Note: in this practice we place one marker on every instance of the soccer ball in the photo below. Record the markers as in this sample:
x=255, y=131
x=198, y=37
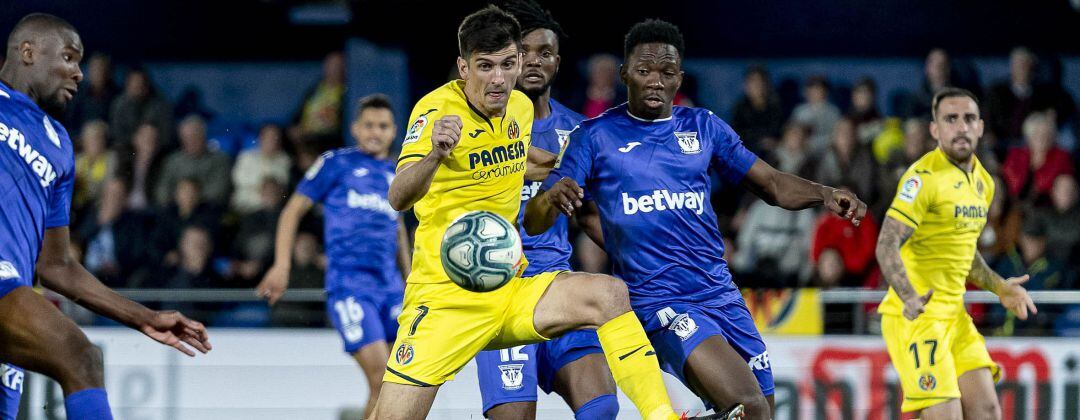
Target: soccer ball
x=481, y=251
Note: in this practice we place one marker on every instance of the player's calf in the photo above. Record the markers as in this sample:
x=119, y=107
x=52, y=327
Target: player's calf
x=79, y=364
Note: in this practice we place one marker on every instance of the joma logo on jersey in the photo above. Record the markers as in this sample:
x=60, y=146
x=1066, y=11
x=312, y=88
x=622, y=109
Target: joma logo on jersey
x=970, y=212
x=661, y=200
x=38, y=163
x=497, y=155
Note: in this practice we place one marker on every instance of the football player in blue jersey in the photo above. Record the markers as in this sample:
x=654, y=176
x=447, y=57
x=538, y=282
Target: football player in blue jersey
x=572, y=365
x=37, y=171
x=645, y=167
x=366, y=242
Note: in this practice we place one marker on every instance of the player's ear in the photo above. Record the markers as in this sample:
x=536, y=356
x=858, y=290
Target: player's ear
x=622, y=74
x=26, y=51
x=558, y=60
x=934, y=129
x=462, y=68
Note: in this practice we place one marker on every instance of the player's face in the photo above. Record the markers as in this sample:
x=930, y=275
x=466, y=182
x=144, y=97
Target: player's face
x=55, y=69
x=957, y=127
x=540, y=62
x=652, y=73
x=375, y=131
x=489, y=77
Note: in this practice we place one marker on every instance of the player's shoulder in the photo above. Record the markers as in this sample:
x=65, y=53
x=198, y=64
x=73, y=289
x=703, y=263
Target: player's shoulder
x=439, y=100
x=565, y=113
x=520, y=106
x=929, y=165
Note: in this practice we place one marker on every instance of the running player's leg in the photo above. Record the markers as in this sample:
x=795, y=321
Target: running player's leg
x=36, y=336
x=372, y=360
x=551, y=304
x=976, y=370
x=573, y=366
x=404, y=402
x=508, y=382
x=921, y=351
x=11, y=385
x=978, y=397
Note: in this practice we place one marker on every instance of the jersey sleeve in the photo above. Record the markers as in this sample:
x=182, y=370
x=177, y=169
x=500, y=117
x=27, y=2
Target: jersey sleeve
x=417, y=142
x=732, y=159
x=914, y=197
x=575, y=160
x=320, y=178
x=60, y=202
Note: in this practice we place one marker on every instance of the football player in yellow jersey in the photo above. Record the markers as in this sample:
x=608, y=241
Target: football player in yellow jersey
x=927, y=250
x=467, y=149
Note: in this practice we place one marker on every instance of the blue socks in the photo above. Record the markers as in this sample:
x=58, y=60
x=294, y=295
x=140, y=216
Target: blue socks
x=89, y=404
x=604, y=407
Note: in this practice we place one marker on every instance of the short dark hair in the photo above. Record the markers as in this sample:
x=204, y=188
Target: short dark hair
x=653, y=31
x=818, y=80
x=486, y=31
x=867, y=82
x=950, y=92
x=531, y=16
x=757, y=70
x=373, y=101
x=35, y=23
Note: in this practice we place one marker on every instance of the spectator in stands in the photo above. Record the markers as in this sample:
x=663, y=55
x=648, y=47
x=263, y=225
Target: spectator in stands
x=140, y=103
x=1060, y=221
x=600, y=93
x=917, y=142
x=254, y=166
x=817, y=112
x=140, y=168
x=93, y=164
x=116, y=238
x=864, y=110
x=308, y=269
x=192, y=269
x=846, y=162
x=792, y=155
x=195, y=160
x=854, y=245
x=1011, y=101
x=937, y=74
x=319, y=119
x=773, y=247
x=95, y=95
x=1047, y=273
x=253, y=245
x=186, y=209
x=1030, y=171
x=758, y=116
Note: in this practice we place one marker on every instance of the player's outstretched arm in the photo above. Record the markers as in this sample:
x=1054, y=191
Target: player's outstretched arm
x=1013, y=296
x=794, y=193
x=68, y=277
x=540, y=163
x=414, y=179
x=276, y=280
x=892, y=237
x=543, y=209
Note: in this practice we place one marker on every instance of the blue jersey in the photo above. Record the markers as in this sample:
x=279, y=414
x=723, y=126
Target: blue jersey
x=650, y=181
x=548, y=251
x=360, y=226
x=37, y=173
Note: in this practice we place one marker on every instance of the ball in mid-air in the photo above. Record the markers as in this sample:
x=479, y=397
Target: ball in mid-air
x=481, y=251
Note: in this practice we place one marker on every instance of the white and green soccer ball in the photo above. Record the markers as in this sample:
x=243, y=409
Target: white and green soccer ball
x=481, y=251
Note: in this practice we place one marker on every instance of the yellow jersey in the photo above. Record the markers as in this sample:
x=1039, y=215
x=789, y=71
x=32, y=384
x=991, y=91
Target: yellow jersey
x=485, y=171
x=947, y=206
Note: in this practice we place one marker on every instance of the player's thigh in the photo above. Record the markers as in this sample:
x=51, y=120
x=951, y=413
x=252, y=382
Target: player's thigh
x=978, y=397
x=36, y=336
x=404, y=402
x=441, y=328
x=507, y=377
x=920, y=352
x=948, y=409
x=372, y=360
x=579, y=300
x=717, y=373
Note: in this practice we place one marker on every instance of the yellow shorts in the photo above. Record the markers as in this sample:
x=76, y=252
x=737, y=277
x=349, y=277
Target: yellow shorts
x=442, y=327
x=930, y=355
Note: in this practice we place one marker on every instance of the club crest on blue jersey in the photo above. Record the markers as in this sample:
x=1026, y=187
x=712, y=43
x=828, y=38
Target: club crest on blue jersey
x=511, y=376
x=8, y=271
x=688, y=142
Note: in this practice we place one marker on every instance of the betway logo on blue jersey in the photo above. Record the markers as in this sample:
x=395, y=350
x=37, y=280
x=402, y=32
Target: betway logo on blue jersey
x=663, y=200
x=37, y=162
x=371, y=202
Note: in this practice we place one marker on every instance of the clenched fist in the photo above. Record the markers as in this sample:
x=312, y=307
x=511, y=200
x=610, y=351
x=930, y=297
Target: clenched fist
x=445, y=135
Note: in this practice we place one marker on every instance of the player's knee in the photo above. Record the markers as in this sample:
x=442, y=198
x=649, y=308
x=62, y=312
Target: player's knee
x=603, y=407
x=607, y=298
x=757, y=406
x=986, y=409
x=81, y=363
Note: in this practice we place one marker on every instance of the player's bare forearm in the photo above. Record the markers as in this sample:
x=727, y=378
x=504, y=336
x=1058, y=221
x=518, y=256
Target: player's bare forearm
x=63, y=274
x=540, y=215
x=540, y=164
x=784, y=190
x=985, y=278
x=588, y=217
x=892, y=237
x=288, y=224
x=404, y=250
x=412, y=182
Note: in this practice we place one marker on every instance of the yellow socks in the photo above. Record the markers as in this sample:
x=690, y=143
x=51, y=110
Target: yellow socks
x=633, y=364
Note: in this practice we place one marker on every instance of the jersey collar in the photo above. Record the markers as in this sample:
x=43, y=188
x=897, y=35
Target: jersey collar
x=627, y=109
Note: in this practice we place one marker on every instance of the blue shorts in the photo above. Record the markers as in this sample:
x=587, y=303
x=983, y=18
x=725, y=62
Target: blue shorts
x=678, y=328
x=11, y=386
x=364, y=318
x=512, y=375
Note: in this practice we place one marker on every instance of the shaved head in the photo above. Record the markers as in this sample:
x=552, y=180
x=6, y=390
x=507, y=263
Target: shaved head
x=43, y=54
